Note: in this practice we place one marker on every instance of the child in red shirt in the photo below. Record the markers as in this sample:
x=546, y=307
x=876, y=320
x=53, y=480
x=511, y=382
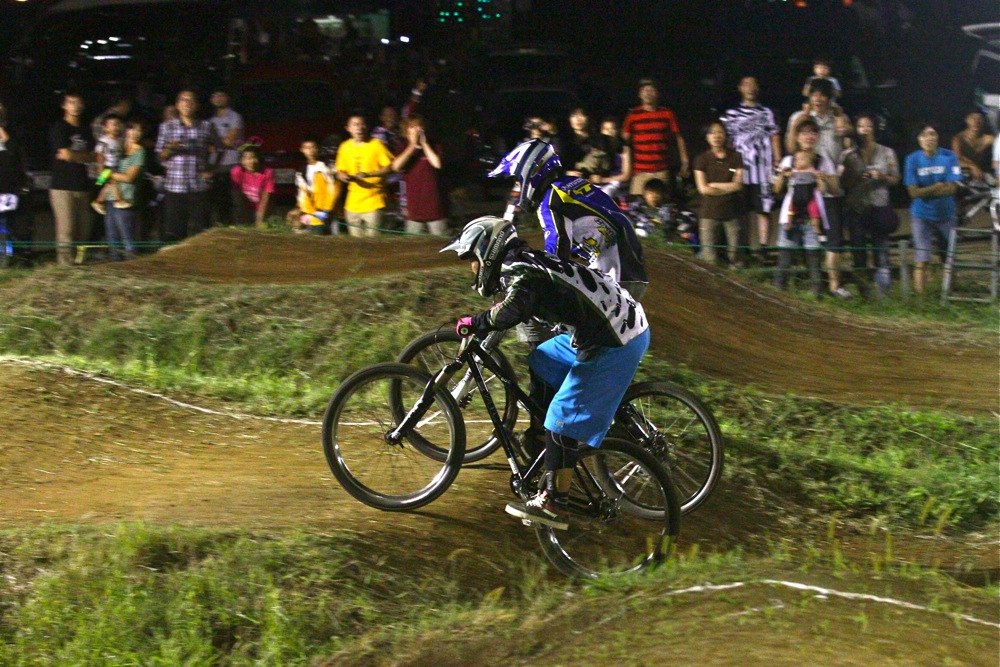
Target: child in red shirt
x=252, y=187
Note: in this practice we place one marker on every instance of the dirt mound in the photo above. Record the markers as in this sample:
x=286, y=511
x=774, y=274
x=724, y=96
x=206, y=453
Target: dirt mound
x=701, y=317
x=248, y=256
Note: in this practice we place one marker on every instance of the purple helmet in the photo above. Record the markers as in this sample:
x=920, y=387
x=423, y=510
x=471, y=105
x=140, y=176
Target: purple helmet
x=530, y=163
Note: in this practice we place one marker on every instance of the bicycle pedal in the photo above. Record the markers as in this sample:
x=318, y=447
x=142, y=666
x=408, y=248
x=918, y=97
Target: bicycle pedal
x=529, y=524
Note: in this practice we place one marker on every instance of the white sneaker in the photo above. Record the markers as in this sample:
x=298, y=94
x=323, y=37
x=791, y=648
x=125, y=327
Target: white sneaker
x=842, y=293
x=543, y=508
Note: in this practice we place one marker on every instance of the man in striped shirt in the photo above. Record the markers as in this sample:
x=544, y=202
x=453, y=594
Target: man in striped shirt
x=651, y=129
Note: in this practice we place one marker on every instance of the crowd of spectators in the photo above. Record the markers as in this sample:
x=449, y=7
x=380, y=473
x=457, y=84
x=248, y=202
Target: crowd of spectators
x=826, y=183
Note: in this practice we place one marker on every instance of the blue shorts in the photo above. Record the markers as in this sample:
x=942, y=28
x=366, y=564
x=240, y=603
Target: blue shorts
x=587, y=392
x=924, y=232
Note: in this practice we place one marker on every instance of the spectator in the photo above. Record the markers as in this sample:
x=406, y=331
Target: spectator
x=972, y=146
x=388, y=131
x=362, y=163
x=252, y=188
x=755, y=136
x=620, y=160
x=830, y=145
x=13, y=181
x=315, y=197
x=121, y=108
x=578, y=145
x=183, y=148
x=718, y=175
x=821, y=72
x=867, y=173
x=652, y=212
x=651, y=129
x=228, y=126
x=416, y=97
x=420, y=161
x=824, y=114
x=930, y=175
x=795, y=232
x=107, y=152
x=538, y=127
x=119, y=201
x=69, y=194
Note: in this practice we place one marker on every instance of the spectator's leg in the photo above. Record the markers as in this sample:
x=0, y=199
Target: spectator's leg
x=127, y=220
x=355, y=225
x=174, y=217
x=83, y=216
x=373, y=222
x=198, y=212
x=111, y=232
x=922, y=235
x=732, y=229
x=784, y=264
x=706, y=233
x=414, y=227
x=815, y=276
x=438, y=227
x=883, y=274
x=62, y=211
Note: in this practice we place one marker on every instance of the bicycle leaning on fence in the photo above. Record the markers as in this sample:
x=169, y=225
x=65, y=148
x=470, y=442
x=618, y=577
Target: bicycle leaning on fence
x=394, y=437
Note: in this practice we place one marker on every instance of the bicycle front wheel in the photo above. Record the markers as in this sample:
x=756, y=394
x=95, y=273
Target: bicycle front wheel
x=677, y=428
x=368, y=464
x=625, y=514
x=432, y=351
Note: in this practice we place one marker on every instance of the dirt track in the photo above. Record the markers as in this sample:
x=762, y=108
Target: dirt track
x=700, y=316
x=75, y=449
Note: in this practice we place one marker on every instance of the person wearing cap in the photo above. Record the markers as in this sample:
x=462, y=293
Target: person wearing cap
x=651, y=130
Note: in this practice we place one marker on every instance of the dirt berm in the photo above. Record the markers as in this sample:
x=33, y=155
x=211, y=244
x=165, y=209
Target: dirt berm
x=714, y=322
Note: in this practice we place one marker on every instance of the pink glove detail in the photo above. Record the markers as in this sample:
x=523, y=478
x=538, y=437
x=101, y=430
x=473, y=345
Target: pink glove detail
x=464, y=327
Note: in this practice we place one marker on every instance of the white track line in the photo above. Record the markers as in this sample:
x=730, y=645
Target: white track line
x=829, y=592
x=113, y=383
x=234, y=415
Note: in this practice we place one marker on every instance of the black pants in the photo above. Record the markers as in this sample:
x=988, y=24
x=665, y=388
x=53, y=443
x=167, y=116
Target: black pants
x=867, y=239
x=184, y=214
x=221, y=199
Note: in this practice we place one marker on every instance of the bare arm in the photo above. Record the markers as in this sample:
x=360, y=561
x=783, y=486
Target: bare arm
x=404, y=157
x=705, y=188
x=432, y=156
x=682, y=149
x=265, y=199
x=128, y=176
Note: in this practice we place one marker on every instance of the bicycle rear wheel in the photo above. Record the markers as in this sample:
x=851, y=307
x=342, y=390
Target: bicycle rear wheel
x=432, y=351
x=607, y=533
x=677, y=428
x=380, y=473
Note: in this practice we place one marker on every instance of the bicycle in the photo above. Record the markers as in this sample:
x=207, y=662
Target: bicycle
x=664, y=418
x=394, y=438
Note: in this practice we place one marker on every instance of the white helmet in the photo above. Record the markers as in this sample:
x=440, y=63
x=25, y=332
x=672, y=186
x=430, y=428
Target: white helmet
x=486, y=240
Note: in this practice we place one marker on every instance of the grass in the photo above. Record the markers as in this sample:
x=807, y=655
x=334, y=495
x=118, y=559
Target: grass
x=141, y=594
x=282, y=350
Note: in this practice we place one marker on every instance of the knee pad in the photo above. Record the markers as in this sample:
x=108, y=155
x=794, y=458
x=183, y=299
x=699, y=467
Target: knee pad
x=561, y=452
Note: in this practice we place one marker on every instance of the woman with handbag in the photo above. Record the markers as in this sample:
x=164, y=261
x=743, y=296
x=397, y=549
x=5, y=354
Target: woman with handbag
x=867, y=173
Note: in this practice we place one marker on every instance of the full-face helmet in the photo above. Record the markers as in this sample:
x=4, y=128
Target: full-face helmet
x=486, y=240
x=530, y=164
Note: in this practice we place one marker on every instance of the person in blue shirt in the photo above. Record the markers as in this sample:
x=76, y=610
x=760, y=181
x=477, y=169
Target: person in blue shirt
x=931, y=176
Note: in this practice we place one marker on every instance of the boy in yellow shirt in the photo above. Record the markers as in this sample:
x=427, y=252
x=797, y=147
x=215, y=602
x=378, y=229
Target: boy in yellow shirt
x=363, y=163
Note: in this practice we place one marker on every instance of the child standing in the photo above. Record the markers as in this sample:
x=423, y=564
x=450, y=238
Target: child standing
x=252, y=187
x=315, y=197
x=108, y=150
x=822, y=70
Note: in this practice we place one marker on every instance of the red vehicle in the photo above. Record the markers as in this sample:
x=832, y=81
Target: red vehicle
x=281, y=106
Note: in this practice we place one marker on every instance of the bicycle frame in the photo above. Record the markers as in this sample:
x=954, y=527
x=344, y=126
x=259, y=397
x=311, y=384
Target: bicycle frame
x=472, y=352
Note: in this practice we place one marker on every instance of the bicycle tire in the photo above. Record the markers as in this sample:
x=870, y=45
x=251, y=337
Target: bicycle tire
x=363, y=410
x=608, y=537
x=677, y=428
x=430, y=352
